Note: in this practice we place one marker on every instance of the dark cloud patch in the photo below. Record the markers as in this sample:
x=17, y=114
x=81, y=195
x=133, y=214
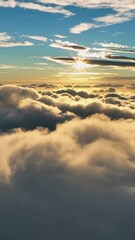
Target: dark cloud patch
x=73, y=92
x=104, y=85
x=122, y=50
x=111, y=89
x=114, y=95
x=94, y=62
x=120, y=57
x=114, y=101
x=76, y=47
x=68, y=45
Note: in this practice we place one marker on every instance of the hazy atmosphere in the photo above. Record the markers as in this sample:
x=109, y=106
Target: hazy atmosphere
x=67, y=119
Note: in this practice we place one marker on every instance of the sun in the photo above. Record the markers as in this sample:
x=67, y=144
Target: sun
x=79, y=64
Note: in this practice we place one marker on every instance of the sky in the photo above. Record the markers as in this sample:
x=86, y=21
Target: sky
x=66, y=41
x=67, y=120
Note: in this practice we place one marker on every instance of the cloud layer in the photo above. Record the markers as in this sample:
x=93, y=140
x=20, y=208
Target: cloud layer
x=75, y=181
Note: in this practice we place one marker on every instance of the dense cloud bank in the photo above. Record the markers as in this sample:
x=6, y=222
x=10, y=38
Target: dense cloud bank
x=75, y=182
x=27, y=108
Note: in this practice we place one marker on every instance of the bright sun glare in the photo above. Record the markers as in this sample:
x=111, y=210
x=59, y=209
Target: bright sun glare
x=79, y=64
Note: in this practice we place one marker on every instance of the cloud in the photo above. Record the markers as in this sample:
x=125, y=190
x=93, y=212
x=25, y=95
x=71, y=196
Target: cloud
x=20, y=108
x=4, y=37
x=111, y=45
x=38, y=7
x=38, y=38
x=34, y=6
x=124, y=12
x=103, y=21
x=59, y=36
x=114, y=19
x=5, y=41
x=116, y=47
x=8, y=3
x=26, y=108
x=16, y=44
x=77, y=180
x=82, y=27
x=68, y=45
x=96, y=62
x=117, y=5
x=120, y=57
x=5, y=66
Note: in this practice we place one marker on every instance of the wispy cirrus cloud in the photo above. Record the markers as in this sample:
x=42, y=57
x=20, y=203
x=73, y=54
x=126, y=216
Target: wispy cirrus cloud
x=35, y=6
x=82, y=27
x=124, y=12
x=117, y=5
x=111, y=45
x=15, y=44
x=103, y=21
x=114, y=18
x=5, y=66
x=114, y=47
x=38, y=7
x=59, y=36
x=7, y=41
x=37, y=38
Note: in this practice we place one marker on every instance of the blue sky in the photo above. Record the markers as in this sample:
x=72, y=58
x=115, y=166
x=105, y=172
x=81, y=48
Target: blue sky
x=96, y=33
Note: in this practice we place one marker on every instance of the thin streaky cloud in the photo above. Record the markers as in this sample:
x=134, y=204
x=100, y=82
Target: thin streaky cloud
x=59, y=36
x=102, y=22
x=114, y=18
x=111, y=44
x=15, y=44
x=35, y=6
x=117, y=5
x=97, y=62
x=82, y=27
x=5, y=66
x=119, y=57
x=38, y=38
